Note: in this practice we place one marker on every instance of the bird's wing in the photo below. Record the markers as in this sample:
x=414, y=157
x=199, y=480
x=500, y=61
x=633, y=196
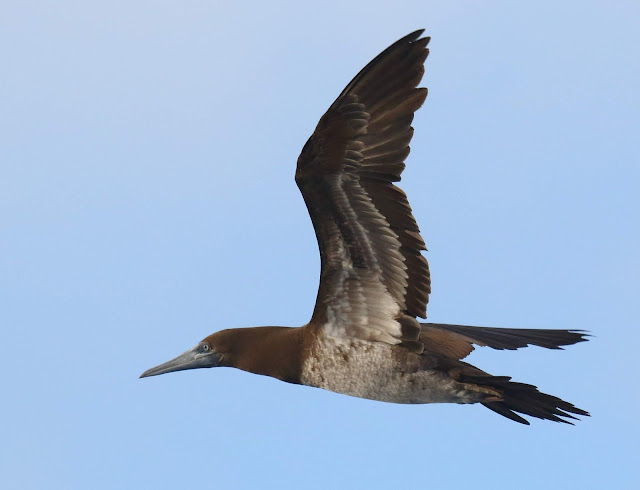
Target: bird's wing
x=374, y=280
x=457, y=341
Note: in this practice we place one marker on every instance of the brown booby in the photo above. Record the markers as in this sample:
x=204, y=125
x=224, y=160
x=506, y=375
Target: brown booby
x=364, y=338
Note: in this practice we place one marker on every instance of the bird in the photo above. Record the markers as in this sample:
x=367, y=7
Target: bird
x=365, y=338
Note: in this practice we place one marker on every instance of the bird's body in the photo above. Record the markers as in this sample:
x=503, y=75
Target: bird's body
x=364, y=338
x=376, y=371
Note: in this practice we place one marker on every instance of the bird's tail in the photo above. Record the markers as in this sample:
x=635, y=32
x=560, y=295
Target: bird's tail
x=523, y=398
x=454, y=342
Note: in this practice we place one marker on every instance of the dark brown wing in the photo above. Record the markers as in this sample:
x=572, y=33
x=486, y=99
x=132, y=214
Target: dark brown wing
x=457, y=341
x=374, y=280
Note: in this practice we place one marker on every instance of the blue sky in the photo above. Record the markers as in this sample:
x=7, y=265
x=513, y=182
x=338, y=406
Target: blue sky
x=147, y=152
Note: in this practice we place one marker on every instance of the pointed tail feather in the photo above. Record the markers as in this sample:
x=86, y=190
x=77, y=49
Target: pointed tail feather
x=525, y=399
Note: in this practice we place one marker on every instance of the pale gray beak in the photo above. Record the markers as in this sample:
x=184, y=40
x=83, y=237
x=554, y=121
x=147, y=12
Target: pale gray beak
x=201, y=356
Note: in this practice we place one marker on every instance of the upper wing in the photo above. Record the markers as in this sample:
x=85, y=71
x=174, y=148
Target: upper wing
x=456, y=341
x=374, y=280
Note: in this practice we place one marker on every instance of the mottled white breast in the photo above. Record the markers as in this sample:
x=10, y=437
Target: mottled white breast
x=371, y=370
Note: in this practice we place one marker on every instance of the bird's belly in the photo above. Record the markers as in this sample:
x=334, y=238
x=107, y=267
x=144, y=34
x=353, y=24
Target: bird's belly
x=372, y=370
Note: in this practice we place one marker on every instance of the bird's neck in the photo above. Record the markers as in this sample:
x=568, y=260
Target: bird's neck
x=271, y=351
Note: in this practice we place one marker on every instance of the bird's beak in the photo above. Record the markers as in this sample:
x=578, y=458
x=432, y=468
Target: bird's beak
x=192, y=359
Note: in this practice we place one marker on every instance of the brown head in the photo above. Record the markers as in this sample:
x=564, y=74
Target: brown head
x=271, y=351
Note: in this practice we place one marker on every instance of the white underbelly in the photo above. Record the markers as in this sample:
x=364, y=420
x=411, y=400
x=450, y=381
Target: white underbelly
x=368, y=370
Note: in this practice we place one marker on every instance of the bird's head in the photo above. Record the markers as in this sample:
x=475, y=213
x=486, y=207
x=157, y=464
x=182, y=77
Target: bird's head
x=256, y=349
x=207, y=353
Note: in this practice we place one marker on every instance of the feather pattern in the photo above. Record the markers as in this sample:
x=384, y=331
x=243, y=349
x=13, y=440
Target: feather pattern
x=373, y=278
x=457, y=341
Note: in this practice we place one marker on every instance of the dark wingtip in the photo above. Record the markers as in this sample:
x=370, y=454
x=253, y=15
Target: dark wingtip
x=576, y=337
x=585, y=335
x=415, y=34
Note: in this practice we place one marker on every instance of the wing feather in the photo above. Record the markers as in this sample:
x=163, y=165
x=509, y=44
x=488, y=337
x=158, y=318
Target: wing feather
x=374, y=280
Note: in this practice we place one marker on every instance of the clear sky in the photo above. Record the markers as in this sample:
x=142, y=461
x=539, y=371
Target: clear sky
x=147, y=153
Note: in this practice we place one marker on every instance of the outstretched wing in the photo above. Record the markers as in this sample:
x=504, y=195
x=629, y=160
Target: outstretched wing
x=457, y=341
x=374, y=280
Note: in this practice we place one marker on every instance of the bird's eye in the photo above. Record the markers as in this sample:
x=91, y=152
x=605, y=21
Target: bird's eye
x=205, y=347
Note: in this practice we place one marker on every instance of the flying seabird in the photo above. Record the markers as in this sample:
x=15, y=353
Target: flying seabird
x=364, y=338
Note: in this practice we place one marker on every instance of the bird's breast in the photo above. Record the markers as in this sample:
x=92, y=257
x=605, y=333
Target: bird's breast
x=378, y=371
